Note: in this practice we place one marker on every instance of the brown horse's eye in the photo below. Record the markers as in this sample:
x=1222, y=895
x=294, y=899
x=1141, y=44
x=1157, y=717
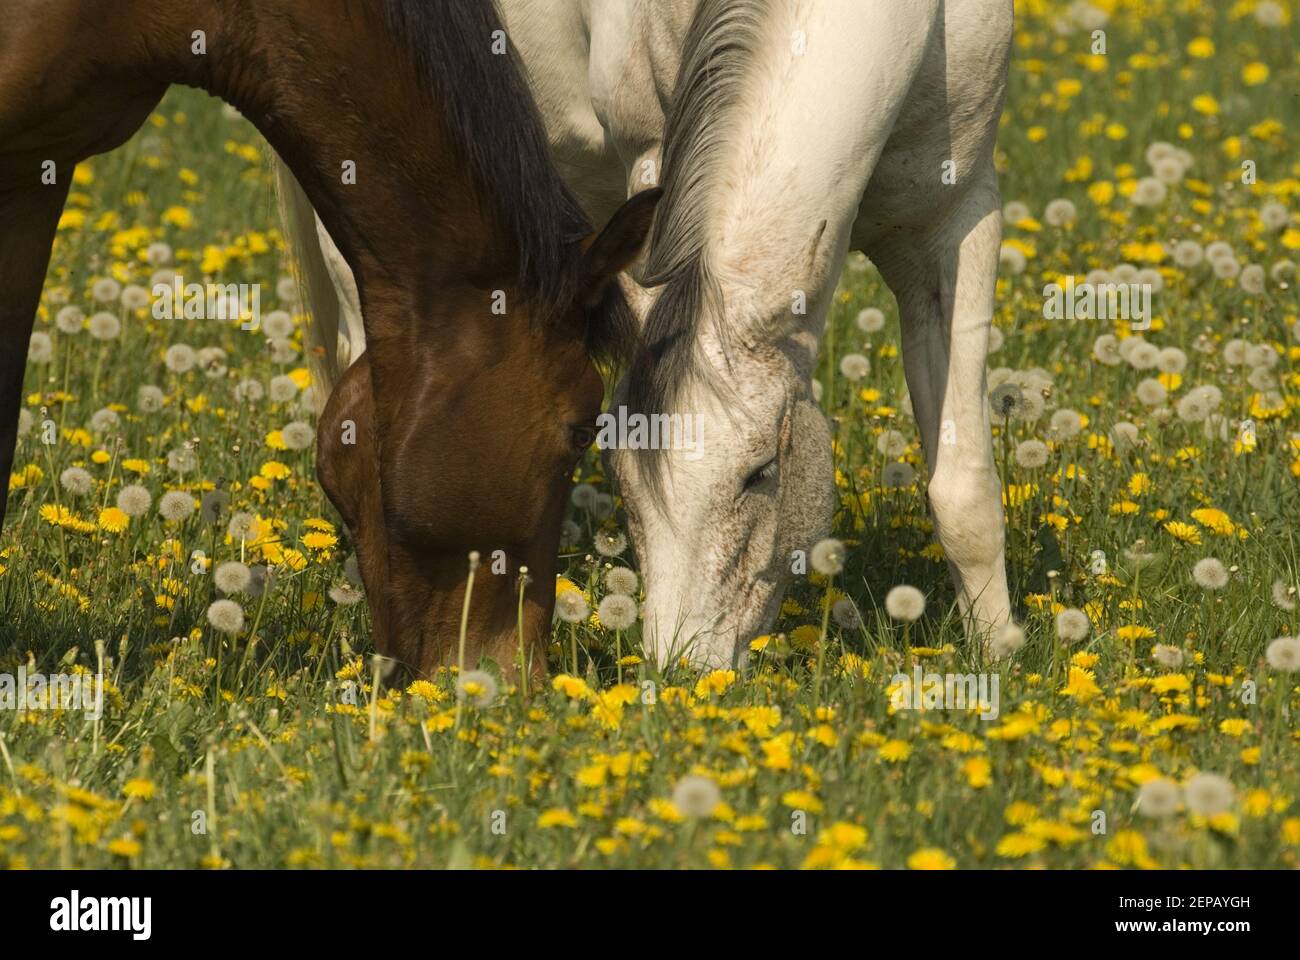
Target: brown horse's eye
x=580, y=438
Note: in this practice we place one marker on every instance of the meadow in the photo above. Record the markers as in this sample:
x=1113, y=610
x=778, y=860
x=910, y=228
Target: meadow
x=165, y=528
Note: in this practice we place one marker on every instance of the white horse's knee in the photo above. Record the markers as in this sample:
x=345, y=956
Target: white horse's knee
x=967, y=509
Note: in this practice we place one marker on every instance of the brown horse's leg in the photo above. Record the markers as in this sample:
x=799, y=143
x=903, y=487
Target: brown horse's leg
x=28, y=219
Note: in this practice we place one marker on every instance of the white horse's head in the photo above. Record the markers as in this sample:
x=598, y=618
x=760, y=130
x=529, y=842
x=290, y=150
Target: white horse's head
x=735, y=476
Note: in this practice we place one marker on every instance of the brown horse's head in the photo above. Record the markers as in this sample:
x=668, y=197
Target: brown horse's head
x=463, y=438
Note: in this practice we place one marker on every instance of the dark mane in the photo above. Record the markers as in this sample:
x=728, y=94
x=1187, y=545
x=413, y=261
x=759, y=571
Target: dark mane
x=720, y=48
x=494, y=119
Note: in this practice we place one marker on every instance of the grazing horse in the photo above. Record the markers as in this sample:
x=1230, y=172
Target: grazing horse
x=408, y=125
x=785, y=133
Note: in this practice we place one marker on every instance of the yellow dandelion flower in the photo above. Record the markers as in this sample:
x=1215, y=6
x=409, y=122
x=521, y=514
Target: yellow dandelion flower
x=931, y=858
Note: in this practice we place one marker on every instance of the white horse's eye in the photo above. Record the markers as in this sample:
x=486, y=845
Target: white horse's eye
x=760, y=476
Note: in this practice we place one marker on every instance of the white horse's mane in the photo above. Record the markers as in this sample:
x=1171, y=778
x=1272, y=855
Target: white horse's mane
x=721, y=48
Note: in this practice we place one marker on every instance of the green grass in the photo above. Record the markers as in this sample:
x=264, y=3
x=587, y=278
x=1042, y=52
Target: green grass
x=271, y=748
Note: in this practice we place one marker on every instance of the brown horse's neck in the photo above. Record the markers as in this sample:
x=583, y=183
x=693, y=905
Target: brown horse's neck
x=333, y=92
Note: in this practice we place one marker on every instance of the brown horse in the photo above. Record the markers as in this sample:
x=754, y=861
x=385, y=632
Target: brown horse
x=409, y=126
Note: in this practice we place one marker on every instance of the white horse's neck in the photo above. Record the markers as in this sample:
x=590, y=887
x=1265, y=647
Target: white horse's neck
x=804, y=140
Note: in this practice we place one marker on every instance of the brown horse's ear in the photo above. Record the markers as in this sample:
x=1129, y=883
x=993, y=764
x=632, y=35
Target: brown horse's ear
x=616, y=247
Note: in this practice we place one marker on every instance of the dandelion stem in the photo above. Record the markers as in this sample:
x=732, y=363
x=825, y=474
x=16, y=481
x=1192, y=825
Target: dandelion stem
x=374, y=696
x=464, y=627
x=519, y=620
x=821, y=644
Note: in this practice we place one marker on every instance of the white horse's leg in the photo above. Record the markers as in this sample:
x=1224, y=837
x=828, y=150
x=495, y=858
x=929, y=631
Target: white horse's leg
x=944, y=281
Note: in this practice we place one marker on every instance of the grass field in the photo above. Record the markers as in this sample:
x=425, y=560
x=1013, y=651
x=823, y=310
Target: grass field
x=1153, y=495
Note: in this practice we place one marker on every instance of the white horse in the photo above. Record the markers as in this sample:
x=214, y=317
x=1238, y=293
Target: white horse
x=794, y=131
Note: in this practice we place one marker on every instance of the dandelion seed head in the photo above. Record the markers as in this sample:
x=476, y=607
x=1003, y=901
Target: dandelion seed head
x=176, y=505
x=571, y=606
x=297, y=435
x=891, y=443
x=1031, y=454
x=1106, y=350
x=1151, y=392
x=226, y=616
x=232, y=577
x=1171, y=360
x=1015, y=211
x=262, y=580
x=1209, y=794
x=243, y=526
x=1012, y=260
x=1066, y=423
x=617, y=612
x=77, y=481
x=69, y=320
x=1143, y=356
x=610, y=543
x=148, y=399
x=696, y=797
x=845, y=613
x=134, y=500
x=105, y=290
x=622, y=580
x=212, y=505
x=182, y=460
x=905, y=603
x=104, y=419
x=1283, y=654
x=1167, y=655
x=827, y=557
x=40, y=349
x=346, y=594
x=1060, y=212
x=158, y=253
x=1188, y=253
x=180, y=358
x=1226, y=268
x=1159, y=798
x=104, y=326
x=212, y=361
x=854, y=366
x=871, y=320
x=282, y=350
x=1269, y=14
x=283, y=388
x=897, y=475
x=1125, y=435
x=1072, y=625
x=1210, y=574
x=1219, y=250
x=477, y=687
x=278, y=324
x=1149, y=192
x=1009, y=639
x=250, y=391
